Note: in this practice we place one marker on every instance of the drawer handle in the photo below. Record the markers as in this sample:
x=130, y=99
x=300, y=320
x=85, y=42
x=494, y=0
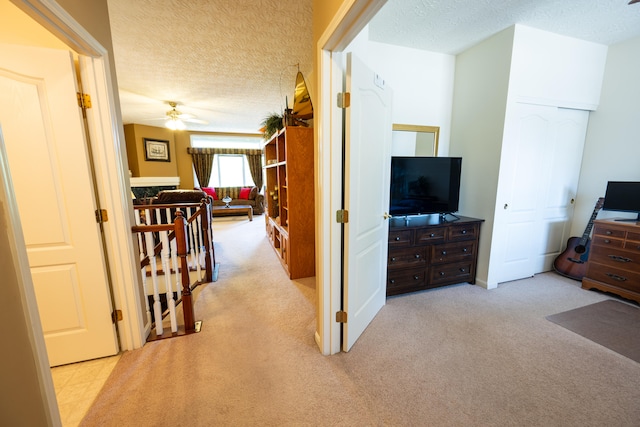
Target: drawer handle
x=442, y=273
x=616, y=277
x=462, y=270
x=417, y=256
x=465, y=250
x=393, y=259
x=392, y=281
x=397, y=238
x=432, y=235
x=608, y=233
x=607, y=241
x=416, y=277
x=620, y=258
x=444, y=252
x=464, y=231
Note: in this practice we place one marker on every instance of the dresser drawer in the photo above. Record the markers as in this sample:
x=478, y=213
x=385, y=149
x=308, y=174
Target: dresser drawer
x=607, y=241
x=615, y=258
x=450, y=273
x=430, y=235
x=606, y=231
x=463, y=232
x=617, y=277
x=633, y=246
x=452, y=252
x=406, y=257
x=399, y=238
x=401, y=281
x=633, y=236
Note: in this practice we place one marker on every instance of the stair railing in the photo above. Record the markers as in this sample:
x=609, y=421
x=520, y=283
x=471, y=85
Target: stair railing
x=175, y=257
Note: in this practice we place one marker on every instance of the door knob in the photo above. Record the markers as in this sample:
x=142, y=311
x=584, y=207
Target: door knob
x=387, y=216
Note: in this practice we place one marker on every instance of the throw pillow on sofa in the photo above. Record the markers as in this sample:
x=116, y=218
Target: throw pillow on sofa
x=244, y=193
x=210, y=191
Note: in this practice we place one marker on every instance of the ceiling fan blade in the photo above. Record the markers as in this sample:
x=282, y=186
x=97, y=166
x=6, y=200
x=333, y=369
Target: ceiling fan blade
x=634, y=1
x=198, y=121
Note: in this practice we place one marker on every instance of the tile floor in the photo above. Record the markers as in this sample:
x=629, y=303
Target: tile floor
x=78, y=384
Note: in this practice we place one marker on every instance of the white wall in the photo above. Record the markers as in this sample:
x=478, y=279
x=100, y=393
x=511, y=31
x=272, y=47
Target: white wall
x=612, y=148
x=479, y=100
x=551, y=69
x=422, y=83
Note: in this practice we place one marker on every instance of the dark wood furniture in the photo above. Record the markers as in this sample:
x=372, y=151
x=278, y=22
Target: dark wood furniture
x=614, y=259
x=233, y=210
x=425, y=252
x=289, y=196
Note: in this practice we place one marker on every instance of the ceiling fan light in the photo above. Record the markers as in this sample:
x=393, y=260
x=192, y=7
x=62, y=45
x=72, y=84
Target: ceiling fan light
x=175, y=124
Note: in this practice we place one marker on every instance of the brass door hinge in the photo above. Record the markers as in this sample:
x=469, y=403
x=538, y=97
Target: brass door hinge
x=101, y=216
x=342, y=216
x=341, y=317
x=116, y=316
x=344, y=100
x=84, y=100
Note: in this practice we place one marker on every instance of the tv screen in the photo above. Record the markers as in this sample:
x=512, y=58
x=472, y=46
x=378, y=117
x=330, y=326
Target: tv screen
x=425, y=185
x=622, y=196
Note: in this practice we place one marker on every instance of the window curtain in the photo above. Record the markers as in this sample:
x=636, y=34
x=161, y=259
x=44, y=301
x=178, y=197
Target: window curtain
x=254, y=157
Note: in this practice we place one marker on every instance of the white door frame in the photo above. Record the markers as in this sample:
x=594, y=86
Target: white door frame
x=107, y=142
x=350, y=19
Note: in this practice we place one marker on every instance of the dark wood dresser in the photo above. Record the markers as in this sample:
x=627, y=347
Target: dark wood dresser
x=614, y=259
x=425, y=252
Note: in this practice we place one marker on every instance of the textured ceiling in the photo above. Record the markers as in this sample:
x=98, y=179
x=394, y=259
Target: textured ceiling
x=232, y=62
x=452, y=26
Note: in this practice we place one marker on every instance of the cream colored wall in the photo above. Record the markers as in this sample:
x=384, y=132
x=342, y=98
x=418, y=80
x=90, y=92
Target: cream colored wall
x=18, y=28
x=21, y=388
x=476, y=130
x=612, y=146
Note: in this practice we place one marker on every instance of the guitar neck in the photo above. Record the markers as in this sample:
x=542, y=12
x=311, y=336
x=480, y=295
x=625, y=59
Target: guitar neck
x=587, y=230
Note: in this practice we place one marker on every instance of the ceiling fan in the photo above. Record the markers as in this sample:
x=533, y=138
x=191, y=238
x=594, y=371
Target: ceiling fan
x=176, y=120
x=634, y=1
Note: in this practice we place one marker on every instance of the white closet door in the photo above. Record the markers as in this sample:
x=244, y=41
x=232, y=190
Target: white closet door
x=540, y=166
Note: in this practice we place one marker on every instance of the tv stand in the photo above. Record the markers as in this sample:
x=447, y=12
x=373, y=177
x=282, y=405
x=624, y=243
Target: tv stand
x=427, y=252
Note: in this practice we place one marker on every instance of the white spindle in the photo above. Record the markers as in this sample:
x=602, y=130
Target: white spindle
x=168, y=286
x=157, y=306
x=176, y=267
x=143, y=270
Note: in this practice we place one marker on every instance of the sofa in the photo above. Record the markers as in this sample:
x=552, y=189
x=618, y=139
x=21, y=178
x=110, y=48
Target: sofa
x=239, y=196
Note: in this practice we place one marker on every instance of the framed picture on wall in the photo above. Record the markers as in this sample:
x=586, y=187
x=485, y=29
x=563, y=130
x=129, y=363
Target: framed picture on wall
x=156, y=150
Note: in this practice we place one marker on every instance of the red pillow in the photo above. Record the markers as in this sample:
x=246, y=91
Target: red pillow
x=244, y=193
x=210, y=191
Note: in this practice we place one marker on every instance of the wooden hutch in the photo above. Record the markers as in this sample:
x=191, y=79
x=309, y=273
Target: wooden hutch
x=289, y=199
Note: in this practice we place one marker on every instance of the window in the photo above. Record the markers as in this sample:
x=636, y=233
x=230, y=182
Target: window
x=230, y=170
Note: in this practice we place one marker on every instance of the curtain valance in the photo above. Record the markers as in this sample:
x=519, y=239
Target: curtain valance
x=246, y=151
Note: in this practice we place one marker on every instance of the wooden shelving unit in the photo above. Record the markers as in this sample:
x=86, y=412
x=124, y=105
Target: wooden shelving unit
x=289, y=197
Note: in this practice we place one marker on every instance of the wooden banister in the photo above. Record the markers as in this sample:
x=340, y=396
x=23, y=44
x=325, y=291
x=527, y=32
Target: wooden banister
x=191, y=248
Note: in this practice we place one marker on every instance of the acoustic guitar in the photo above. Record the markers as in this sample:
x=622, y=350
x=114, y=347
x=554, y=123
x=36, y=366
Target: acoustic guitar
x=572, y=262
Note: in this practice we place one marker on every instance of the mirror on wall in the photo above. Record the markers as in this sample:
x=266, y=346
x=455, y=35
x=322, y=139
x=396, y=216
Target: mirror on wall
x=414, y=140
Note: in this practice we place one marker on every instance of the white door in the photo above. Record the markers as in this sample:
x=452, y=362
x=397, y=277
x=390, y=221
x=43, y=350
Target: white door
x=367, y=168
x=48, y=160
x=540, y=166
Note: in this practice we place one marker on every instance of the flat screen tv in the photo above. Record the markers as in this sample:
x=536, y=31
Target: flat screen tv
x=425, y=185
x=623, y=196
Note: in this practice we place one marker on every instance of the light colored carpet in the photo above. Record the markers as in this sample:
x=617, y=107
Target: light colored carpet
x=454, y=356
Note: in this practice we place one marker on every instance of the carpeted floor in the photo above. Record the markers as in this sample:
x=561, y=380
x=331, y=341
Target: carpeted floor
x=610, y=323
x=454, y=356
